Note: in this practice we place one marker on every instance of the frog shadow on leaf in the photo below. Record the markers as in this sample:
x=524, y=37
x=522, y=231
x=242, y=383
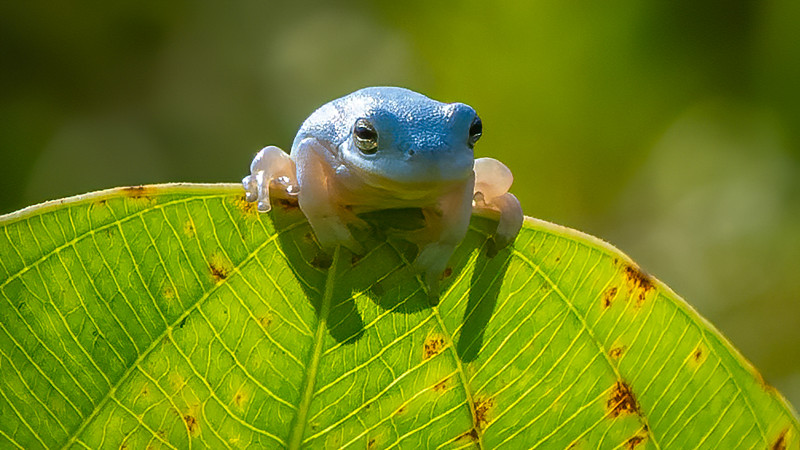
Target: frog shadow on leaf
x=384, y=274
x=381, y=273
x=487, y=279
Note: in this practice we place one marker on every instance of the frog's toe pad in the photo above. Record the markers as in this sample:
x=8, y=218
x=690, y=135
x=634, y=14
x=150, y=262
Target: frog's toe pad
x=273, y=169
x=511, y=219
x=492, y=181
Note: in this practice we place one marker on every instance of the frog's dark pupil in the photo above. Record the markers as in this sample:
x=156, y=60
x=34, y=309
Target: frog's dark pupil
x=367, y=134
x=365, y=137
x=475, y=130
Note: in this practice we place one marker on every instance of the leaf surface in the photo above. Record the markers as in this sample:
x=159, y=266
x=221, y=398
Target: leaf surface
x=176, y=316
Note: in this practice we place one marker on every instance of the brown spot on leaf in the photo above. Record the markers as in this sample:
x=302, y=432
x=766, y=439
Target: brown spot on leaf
x=440, y=386
x=219, y=266
x=400, y=410
x=616, y=352
x=137, y=191
x=265, y=320
x=633, y=442
x=482, y=410
x=780, y=443
x=217, y=271
x=762, y=382
x=609, y=295
x=622, y=400
x=191, y=424
x=640, y=283
x=240, y=398
x=245, y=206
x=472, y=435
x=698, y=356
x=447, y=272
x=188, y=228
x=371, y=443
x=432, y=347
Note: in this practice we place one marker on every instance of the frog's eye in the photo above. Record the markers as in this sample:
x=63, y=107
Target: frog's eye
x=365, y=137
x=475, y=131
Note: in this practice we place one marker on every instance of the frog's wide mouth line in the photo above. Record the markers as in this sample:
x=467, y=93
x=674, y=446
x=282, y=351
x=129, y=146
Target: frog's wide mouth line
x=416, y=175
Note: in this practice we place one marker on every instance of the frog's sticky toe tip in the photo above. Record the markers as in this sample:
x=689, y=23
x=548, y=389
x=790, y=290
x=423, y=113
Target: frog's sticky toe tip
x=264, y=206
x=497, y=243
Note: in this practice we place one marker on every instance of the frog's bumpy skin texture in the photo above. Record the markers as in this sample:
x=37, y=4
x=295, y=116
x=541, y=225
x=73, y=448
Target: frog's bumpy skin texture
x=421, y=157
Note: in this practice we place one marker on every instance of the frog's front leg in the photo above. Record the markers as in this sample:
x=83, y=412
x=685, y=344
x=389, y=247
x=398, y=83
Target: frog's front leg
x=446, y=226
x=318, y=198
x=271, y=168
x=492, y=181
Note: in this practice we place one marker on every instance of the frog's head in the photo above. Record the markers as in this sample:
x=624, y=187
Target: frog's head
x=396, y=138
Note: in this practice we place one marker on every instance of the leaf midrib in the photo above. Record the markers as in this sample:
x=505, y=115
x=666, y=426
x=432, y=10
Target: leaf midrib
x=299, y=424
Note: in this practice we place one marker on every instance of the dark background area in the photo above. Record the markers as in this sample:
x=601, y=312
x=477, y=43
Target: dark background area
x=671, y=129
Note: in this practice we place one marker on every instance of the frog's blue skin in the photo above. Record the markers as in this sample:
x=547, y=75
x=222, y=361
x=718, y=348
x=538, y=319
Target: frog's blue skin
x=423, y=158
x=421, y=141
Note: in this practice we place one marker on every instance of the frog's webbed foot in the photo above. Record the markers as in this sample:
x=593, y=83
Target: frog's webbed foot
x=318, y=198
x=273, y=169
x=492, y=181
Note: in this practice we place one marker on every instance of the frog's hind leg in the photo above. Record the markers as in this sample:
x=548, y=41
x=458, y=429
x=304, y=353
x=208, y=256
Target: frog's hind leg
x=272, y=168
x=492, y=181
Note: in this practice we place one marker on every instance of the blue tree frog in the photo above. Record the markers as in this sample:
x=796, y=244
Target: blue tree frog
x=389, y=147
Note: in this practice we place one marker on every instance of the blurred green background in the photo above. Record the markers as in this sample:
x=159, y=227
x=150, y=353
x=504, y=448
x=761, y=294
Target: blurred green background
x=669, y=128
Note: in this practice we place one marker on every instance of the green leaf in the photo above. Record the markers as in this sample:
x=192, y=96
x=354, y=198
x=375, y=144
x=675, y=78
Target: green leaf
x=177, y=316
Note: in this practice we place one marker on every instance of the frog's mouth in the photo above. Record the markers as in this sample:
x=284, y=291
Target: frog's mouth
x=420, y=172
